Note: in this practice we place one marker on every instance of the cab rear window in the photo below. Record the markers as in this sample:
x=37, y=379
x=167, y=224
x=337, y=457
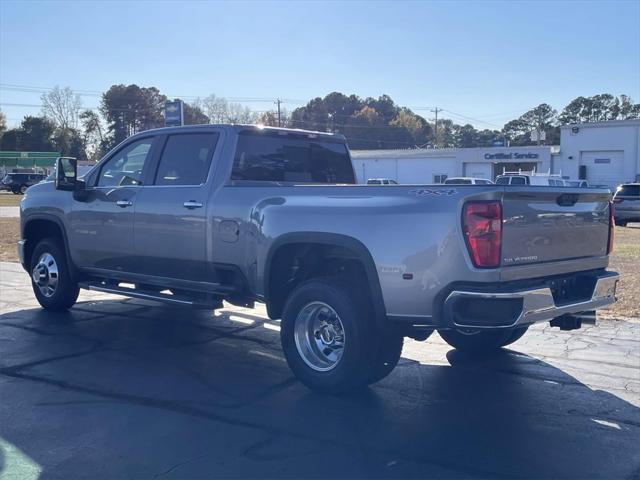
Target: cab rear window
x=276, y=157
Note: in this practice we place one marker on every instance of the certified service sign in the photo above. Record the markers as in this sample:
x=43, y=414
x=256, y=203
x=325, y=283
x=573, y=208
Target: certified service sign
x=173, y=114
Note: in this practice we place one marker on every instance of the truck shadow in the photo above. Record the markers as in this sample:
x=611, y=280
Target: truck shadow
x=133, y=390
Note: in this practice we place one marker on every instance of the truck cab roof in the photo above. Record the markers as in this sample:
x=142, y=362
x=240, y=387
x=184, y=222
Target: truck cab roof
x=242, y=127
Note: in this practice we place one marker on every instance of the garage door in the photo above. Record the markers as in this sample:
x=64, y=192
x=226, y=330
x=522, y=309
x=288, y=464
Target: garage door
x=604, y=167
x=478, y=170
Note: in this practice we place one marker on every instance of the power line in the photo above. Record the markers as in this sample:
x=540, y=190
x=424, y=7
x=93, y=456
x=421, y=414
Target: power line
x=94, y=93
x=472, y=119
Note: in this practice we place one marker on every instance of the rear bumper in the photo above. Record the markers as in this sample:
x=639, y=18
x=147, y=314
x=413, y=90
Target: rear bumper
x=487, y=309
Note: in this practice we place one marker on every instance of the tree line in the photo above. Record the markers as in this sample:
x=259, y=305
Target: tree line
x=367, y=123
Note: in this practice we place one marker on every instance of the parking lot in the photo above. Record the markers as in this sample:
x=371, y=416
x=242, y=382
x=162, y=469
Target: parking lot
x=124, y=388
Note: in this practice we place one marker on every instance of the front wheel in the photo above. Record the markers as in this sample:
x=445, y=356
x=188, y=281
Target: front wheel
x=620, y=223
x=50, y=277
x=23, y=189
x=328, y=339
x=481, y=341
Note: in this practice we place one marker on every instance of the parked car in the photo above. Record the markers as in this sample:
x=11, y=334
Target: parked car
x=540, y=179
x=381, y=181
x=467, y=181
x=247, y=214
x=19, y=182
x=627, y=203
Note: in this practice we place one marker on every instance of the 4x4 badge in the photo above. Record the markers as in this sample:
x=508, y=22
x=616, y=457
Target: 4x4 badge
x=423, y=192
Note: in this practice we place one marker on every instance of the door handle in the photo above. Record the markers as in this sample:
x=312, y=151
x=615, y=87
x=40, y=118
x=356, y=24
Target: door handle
x=124, y=203
x=192, y=204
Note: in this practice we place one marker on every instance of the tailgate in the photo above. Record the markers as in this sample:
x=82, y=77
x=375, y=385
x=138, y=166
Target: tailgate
x=547, y=224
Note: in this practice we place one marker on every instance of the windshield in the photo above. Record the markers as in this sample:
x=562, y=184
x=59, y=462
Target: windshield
x=8, y=178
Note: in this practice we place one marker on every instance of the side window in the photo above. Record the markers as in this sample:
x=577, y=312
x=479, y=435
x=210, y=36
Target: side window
x=125, y=167
x=518, y=181
x=439, y=177
x=629, y=191
x=186, y=159
x=502, y=181
x=287, y=158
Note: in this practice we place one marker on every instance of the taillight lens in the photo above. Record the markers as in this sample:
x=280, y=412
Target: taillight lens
x=612, y=227
x=482, y=227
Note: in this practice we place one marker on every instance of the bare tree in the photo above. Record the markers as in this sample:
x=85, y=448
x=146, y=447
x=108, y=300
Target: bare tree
x=240, y=115
x=219, y=110
x=62, y=106
x=216, y=108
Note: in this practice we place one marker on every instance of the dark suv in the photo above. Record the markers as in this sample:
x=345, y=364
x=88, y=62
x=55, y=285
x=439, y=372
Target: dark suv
x=627, y=204
x=19, y=182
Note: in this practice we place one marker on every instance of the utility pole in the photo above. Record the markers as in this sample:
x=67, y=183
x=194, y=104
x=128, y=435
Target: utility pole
x=278, y=102
x=436, y=110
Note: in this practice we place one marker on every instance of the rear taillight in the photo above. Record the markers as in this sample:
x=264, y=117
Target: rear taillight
x=482, y=227
x=612, y=228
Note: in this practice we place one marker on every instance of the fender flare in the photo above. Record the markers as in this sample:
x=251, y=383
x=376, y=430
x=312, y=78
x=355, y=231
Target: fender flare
x=339, y=240
x=58, y=222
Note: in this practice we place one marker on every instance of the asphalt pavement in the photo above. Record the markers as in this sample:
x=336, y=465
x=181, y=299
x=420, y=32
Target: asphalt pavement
x=123, y=388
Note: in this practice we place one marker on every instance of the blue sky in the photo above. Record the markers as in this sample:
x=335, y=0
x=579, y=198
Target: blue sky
x=489, y=61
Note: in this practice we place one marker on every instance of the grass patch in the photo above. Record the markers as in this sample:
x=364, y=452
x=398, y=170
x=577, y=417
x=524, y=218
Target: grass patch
x=9, y=236
x=8, y=199
x=626, y=261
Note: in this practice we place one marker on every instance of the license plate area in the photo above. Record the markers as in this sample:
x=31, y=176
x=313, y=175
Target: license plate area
x=577, y=288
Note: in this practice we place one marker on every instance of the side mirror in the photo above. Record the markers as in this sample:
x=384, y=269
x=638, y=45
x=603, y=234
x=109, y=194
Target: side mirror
x=66, y=173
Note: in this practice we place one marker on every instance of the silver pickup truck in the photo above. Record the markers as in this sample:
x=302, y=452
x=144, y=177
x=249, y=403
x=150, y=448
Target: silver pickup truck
x=196, y=215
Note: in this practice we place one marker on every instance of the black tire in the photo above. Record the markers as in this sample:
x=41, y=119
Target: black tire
x=23, y=189
x=66, y=291
x=15, y=191
x=481, y=341
x=387, y=357
x=620, y=223
x=352, y=371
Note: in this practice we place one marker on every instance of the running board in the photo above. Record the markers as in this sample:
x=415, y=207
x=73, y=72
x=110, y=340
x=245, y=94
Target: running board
x=144, y=295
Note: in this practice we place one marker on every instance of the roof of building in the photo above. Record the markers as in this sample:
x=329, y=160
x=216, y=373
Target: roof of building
x=443, y=152
x=609, y=123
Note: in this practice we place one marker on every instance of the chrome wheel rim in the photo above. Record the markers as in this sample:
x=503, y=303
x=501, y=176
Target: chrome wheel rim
x=23, y=189
x=45, y=275
x=319, y=336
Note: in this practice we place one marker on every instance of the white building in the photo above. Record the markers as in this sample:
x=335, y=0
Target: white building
x=434, y=165
x=603, y=153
